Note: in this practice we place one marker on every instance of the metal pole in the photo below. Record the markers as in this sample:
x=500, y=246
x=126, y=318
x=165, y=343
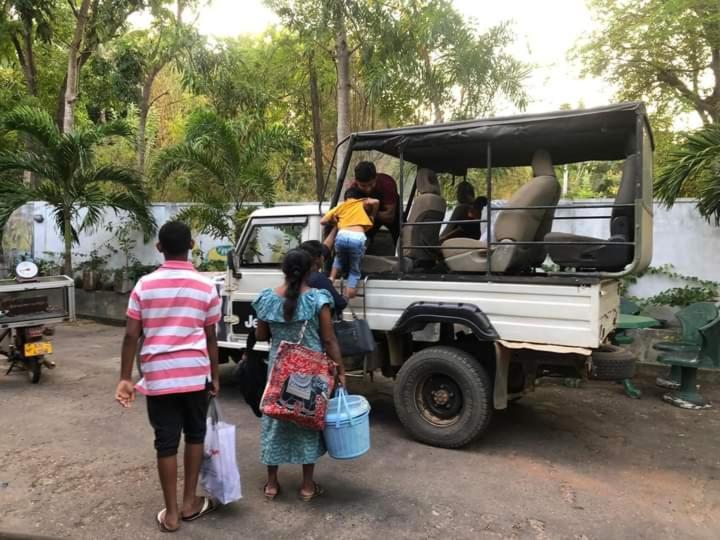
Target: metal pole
x=401, y=215
x=339, y=182
x=489, y=210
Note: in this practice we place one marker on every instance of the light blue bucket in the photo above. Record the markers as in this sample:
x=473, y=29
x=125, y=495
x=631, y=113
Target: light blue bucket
x=347, y=426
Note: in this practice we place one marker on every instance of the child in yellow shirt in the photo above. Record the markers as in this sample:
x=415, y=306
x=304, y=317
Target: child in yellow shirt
x=353, y=217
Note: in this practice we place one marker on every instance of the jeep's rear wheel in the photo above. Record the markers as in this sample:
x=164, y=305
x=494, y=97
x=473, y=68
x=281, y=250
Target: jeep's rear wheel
x=443, y=397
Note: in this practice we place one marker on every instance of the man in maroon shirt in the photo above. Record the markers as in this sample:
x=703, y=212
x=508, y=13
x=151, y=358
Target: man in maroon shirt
x=382, y=187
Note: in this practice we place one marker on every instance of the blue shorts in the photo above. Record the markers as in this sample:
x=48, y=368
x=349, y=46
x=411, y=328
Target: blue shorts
x=349, y=251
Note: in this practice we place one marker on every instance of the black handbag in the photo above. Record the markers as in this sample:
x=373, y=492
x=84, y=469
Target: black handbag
x=251, y=374
x=354, y=337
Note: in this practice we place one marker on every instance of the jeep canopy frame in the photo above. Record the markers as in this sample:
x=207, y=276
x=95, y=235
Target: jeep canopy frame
x=599, y=134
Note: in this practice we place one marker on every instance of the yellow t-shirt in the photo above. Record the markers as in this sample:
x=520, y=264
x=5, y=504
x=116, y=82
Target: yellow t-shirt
x=351, y=213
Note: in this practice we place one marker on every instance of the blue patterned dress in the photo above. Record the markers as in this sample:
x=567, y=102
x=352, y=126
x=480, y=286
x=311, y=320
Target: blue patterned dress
x=284, y=442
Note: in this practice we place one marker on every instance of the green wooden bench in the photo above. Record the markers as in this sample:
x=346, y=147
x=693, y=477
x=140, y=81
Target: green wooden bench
x=698, y=347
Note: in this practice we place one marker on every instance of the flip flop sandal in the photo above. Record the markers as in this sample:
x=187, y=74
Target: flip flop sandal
x=316, y=493
x=160, y=518
x=207, y=507
x=270, y=496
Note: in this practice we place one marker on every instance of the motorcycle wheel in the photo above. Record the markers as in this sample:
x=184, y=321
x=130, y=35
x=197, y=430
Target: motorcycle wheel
x=34, y=366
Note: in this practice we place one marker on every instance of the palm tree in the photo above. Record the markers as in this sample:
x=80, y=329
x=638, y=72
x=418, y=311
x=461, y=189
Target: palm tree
x=694, y=165
x=69, y=178
x=224, y=165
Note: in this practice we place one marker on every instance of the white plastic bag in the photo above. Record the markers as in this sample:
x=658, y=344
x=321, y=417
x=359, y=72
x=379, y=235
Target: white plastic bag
x=219, y=474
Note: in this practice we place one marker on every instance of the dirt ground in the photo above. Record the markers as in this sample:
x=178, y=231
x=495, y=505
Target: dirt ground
x=562, y=463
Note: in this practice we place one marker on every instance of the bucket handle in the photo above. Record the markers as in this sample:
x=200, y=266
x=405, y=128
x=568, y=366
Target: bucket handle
x=343, y=407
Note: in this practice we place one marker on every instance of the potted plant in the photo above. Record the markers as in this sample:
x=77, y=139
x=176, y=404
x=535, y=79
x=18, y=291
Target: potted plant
x=126, y=238
x=50, y=264
x=91, y=269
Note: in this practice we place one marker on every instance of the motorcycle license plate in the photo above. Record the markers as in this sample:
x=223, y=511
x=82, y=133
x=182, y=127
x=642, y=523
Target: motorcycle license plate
x=38, y=348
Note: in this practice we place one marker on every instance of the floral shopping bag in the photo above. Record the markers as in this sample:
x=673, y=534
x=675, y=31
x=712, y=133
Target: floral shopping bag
x=299, y=385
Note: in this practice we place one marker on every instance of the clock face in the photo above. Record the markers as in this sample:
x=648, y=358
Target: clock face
x=26, y=270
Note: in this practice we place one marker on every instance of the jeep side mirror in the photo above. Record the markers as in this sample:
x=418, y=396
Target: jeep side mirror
x=232, y=266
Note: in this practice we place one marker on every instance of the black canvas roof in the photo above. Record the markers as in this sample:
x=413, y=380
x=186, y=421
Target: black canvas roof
x=602, y=133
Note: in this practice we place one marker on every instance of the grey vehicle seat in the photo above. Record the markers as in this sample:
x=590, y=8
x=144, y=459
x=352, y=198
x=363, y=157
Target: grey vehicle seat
x=467, y=255
x=606, y=257
x=428, y=205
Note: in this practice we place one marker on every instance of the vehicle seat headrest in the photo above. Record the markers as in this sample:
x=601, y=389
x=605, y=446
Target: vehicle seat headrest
x=427, y=182
x=542, y=164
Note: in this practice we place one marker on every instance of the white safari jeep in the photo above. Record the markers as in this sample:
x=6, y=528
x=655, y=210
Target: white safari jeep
x=464, y=326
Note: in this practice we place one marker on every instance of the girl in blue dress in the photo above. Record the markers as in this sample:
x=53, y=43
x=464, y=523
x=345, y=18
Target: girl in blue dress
x=282, y=312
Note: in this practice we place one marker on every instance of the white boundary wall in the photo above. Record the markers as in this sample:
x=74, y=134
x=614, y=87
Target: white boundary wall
x=681, y=238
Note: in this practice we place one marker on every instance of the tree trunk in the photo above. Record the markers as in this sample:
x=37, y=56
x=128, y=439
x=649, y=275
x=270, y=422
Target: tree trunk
x=67, y=237
x=145, y=105
x=60, y=100
x=438, y=117
x=145, y=102
x=431, y=87
x=342, y=55
x=31, y=74
x=316, y=127
x=73, y=69
x=26, y=59
x=142, y=124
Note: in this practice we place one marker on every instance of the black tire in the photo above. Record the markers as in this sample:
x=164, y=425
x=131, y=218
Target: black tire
x=34, y=369
x=443, y=397
x=612, y=363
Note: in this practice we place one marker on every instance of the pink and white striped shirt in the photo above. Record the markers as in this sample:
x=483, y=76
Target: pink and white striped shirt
x=174, y=303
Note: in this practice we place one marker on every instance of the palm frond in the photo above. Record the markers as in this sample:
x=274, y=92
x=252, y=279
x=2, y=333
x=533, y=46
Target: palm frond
x=122, y=176
x=15, y=194
x=33, y=122
x=200, y=162
x=256, y=183
x=695, y=163
x=207, y=219
x=75, y=152
x=92, y=198
x=29, y=162
x=59, y=215
x=51, y=192
x=274, y=138
x=208, y=131
x=116, y=128
x=70, y=181
x=709, y=199
x=136, y=206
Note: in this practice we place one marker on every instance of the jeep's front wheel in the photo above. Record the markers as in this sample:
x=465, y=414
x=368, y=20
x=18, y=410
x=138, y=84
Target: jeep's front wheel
x=443, y=397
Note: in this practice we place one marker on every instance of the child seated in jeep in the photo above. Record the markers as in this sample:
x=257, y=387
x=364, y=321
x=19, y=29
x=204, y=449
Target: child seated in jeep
x=353, y=218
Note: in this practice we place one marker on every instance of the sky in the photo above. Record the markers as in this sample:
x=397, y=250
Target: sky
x=545, y=31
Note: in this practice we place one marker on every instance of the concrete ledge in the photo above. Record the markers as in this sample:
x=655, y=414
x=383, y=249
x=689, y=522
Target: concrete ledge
x=102, y=306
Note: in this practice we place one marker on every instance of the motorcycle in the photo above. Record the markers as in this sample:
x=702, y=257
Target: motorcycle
x=28, y=348
x=24, y=313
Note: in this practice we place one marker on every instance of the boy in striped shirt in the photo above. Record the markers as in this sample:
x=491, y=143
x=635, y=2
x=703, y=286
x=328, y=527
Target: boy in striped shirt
x=175, y=310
